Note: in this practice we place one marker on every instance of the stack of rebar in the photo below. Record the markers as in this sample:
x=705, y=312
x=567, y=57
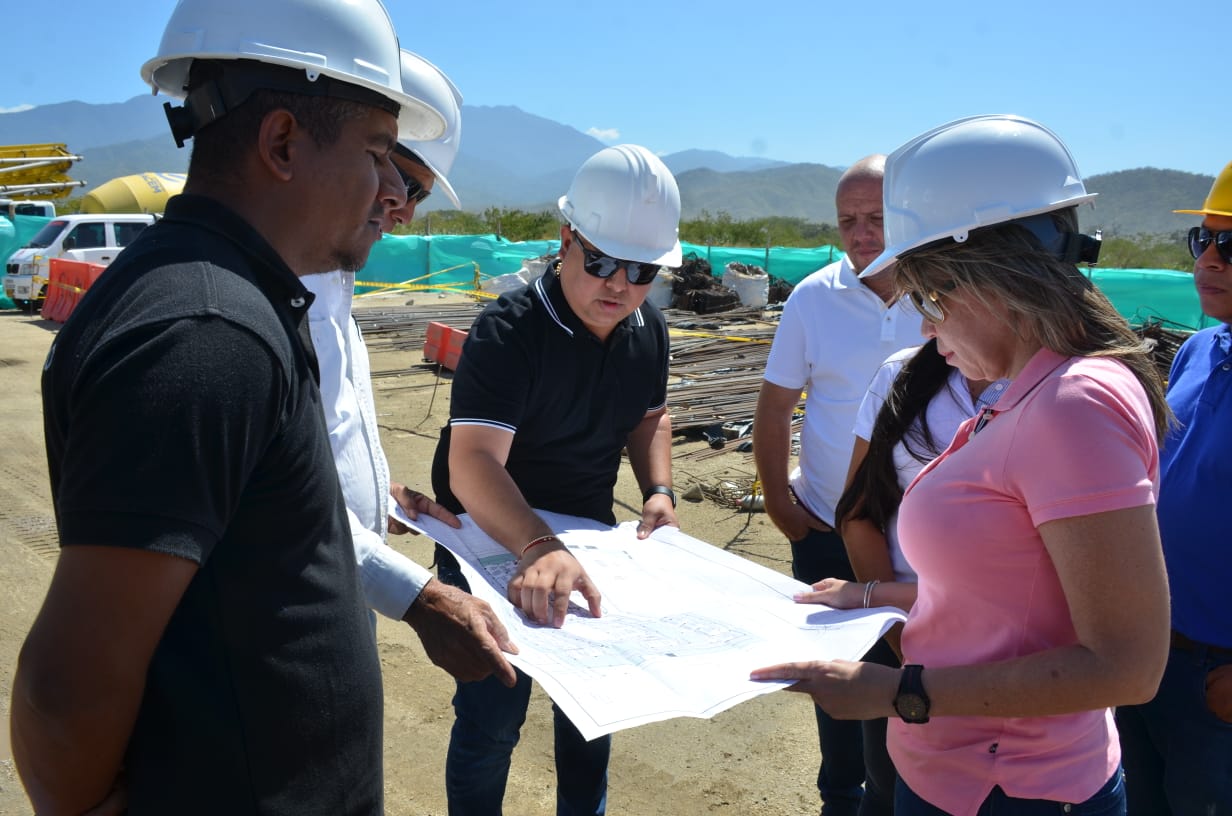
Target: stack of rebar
x=716, y=362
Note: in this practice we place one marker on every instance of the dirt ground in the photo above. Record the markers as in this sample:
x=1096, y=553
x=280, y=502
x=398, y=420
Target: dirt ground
x=757, y=758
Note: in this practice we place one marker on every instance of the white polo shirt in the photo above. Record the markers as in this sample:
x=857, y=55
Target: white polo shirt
x=390, y=580
x=834, y=334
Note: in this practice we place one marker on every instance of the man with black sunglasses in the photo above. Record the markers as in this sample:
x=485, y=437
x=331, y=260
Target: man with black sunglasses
x=1177, y=749
x=553, y=382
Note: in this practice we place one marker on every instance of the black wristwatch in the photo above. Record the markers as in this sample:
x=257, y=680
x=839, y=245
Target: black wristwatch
x=664, y=489
x=911, y=702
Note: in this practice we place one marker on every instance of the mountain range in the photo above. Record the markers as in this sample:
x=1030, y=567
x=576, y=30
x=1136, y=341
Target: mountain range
x=514, y=159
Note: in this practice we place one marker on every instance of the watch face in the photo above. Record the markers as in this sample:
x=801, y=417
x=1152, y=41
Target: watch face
x=911, y=707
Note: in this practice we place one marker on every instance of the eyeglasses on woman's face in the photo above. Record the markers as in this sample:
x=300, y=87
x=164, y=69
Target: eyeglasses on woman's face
x=928, y=304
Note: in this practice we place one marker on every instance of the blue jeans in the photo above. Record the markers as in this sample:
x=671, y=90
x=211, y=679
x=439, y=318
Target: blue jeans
x=1177, y=754
x=488, y=719
x=841, y=775
x=1107, y=801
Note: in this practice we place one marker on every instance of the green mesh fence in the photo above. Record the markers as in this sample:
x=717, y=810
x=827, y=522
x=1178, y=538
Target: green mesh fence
x=459, y=261
x=13, y=236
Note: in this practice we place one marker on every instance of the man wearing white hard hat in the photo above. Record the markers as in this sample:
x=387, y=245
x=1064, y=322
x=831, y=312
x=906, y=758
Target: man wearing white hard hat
x=204, y=646
x=460, y=633
x=553, y=382
x=1178, y=747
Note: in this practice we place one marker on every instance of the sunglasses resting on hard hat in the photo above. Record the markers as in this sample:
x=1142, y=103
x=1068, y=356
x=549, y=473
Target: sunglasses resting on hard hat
x=604, y=266
x=1200, y=238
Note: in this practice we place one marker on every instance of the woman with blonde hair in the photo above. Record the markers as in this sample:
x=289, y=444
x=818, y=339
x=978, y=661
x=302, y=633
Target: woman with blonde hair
x=1042, y=598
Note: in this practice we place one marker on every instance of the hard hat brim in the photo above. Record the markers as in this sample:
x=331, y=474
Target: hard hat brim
x=619, y=249
x=417, y=119
x=892, y=254
x=1227, y=213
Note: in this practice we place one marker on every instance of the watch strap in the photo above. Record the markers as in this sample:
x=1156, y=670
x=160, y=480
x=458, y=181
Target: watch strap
x=655, y=489
x=911, y=702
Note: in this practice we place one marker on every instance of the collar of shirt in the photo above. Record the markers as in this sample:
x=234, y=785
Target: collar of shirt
x=1223, y=336
x=209, y=214
x=1037, y=368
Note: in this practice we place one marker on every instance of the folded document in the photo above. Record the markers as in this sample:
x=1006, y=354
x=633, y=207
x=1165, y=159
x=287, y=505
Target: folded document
x=683, y=622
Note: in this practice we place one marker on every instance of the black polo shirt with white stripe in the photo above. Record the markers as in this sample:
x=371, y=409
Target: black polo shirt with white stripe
x=531, y=367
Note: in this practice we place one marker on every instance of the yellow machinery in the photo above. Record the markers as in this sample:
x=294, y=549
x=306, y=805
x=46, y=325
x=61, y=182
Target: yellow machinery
x=139, y=193
x=36, y=171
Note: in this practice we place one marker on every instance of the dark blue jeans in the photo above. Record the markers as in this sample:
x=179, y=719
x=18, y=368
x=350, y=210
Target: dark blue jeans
x=488, y=718
x=1177, y=754
x=841, y=775
x=1108, y=801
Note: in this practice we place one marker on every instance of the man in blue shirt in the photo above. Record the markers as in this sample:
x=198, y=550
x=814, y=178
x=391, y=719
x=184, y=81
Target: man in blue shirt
x=1178, y=747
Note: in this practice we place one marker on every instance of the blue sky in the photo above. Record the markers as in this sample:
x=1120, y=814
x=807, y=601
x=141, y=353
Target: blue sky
x=1126, y=84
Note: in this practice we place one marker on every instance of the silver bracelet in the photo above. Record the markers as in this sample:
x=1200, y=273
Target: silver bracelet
x=868, y=591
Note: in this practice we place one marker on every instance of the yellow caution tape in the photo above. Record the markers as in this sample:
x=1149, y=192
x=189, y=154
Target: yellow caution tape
x=711, y=335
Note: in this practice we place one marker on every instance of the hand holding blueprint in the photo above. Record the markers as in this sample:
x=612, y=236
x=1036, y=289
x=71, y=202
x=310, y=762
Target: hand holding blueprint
x=682, y=623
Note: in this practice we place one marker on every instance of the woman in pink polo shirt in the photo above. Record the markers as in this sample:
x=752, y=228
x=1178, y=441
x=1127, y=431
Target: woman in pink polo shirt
x=1042, y=598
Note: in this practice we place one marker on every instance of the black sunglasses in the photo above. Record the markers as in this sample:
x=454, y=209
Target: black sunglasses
x=1201, y=237
x=604, y=266
x=415, y=191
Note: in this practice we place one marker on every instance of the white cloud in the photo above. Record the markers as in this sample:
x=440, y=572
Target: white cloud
x=604, y=134
x=16, y=109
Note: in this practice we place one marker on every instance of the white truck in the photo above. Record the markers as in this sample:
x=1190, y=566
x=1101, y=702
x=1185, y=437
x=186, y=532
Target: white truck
x=95, y=238
x=11, y=208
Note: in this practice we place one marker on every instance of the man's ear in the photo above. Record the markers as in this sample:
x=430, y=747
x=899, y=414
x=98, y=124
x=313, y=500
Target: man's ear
x=566, y=240
x=277, y=143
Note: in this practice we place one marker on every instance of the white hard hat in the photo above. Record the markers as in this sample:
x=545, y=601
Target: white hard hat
x=352, y=43
x=972, y=173
x=625, y=201
x=423, y=80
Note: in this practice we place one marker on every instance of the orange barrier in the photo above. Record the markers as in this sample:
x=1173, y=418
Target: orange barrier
x=443, y=345
x=67, y=282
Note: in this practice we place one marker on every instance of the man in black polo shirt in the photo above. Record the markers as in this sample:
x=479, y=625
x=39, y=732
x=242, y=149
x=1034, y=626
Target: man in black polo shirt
x=553, y=382
x=204, y=647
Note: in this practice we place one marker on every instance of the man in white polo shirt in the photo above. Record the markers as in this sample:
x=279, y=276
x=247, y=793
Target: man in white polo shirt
x=835, y=332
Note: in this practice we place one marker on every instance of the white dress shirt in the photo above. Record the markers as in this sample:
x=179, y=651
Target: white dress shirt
x=390, y=580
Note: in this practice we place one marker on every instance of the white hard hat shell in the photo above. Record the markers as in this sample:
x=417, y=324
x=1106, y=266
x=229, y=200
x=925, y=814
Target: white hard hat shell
x=353, y=42
x=971, y=173
x=625, y=201
x=423, y=80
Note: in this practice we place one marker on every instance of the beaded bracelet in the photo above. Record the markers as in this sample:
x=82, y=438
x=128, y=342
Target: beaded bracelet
x=868, y=592
x=536, y=542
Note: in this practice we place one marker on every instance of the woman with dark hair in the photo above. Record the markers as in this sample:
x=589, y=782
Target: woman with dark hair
x=1042, y=600
x=914, y=404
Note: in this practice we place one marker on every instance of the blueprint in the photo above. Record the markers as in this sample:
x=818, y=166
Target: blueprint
x=682, y=623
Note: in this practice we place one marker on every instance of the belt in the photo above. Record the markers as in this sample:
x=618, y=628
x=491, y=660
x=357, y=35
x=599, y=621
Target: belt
x=1185, y=644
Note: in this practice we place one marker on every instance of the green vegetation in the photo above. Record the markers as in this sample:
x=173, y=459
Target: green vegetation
x=1146, y=252
x=715, y=230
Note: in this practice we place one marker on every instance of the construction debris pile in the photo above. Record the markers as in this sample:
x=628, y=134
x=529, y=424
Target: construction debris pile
x=696, y=289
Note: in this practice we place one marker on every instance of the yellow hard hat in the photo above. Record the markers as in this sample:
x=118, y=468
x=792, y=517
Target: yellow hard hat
x=1219, y=199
